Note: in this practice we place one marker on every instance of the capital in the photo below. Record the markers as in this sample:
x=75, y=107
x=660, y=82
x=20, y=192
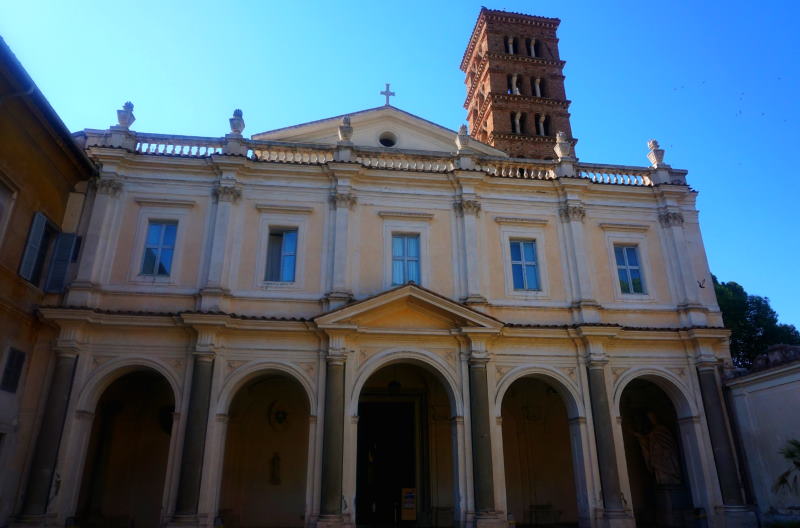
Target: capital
x=572, y=213
x=346, y=200
x=669, y=218
x=109, y=186
x=471, y=207
x=227, y=193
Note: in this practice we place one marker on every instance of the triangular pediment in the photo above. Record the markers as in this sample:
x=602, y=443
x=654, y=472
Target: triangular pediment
x=411, y=132
x=407, y=308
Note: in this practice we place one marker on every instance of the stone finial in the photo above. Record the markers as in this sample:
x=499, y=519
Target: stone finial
x=237, y=123
x=656, y=155
x=345, y=130
x=563, y=148
x=462, y=139
x=125, y=116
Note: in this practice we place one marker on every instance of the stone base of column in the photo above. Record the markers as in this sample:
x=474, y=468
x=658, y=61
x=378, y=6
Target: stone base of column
x=490, y=520
x=737, y=516
x=475, y=298
x=48, y=520
x=618, y=519
x=333, y=521
x=334, y=299
x=193, y=521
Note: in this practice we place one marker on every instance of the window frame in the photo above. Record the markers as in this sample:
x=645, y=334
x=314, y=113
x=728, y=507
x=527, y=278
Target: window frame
x=406, y=259
x=178, y=214
x=524, y=263
x=629, y=235
x=627, y=267
x=283, y=253
x=534, y=230
x=159, y=247
x=409, y=227
x=269, y=218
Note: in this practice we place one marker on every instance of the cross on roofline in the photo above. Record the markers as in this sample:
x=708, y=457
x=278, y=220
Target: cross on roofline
x=388, y=93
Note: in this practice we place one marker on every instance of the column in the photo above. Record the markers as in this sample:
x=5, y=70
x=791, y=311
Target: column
x=96, y=240
x=333, y=440
x=604, y=438
x=482, y=475
x=47, y=443
x=194, y=441
x=721, y=442
x=679, y=259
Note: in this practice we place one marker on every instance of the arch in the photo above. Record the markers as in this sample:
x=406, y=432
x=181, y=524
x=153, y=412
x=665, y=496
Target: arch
x=561, y=383
x=676, y=390
x=247, y=373
x=108, y=373
x=420, y=357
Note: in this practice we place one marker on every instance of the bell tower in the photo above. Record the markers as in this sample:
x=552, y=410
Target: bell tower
x=515, y=86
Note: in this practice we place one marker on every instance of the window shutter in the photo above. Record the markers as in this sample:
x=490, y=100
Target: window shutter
x=62, y=256
x=13, y=370
x=35, y=236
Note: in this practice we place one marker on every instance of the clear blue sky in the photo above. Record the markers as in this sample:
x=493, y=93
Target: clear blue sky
x=717, y=83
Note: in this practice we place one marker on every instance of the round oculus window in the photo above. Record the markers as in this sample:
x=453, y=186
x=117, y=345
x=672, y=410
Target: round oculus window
x=388, y=139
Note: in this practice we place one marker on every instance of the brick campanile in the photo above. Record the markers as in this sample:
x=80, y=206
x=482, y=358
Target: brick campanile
x=515, y=86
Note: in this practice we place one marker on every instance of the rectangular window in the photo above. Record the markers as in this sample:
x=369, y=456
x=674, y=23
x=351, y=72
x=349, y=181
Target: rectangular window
x=524, y=268
x=628, y=269
x=405, y=258
x=13, y=370
x=281, y=255
x=159, y=248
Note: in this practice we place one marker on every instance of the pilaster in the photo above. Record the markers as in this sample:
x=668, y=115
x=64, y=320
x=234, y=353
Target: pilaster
x=467, y=207
x=343, y=200
x=214, y=295
x=585, y=308
x=98, y=239
x=679, y=258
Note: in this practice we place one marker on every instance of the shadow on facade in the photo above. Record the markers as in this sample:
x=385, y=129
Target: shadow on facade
x=656, y=464
x=123, y=479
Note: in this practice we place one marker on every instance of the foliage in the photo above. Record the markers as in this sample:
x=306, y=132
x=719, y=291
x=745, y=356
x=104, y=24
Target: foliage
x=790, y=478
x=752, y=321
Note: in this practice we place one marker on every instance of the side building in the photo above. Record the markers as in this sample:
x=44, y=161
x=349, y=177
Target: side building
x=371, y=318
x=43, y=178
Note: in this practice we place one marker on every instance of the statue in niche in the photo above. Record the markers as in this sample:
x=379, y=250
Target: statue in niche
x=660, y=452
x=275, y=469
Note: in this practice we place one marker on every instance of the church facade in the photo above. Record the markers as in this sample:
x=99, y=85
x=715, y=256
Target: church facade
x=373, y=320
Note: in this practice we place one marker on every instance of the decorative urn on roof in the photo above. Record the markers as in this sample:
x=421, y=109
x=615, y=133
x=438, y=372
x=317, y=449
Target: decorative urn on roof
x=125, y=116
x=237, y=123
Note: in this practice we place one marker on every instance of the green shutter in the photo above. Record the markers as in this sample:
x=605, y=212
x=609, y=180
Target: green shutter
x=62, y=256
x=35, y=236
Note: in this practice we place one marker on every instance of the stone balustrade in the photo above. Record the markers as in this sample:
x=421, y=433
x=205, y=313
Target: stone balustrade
x=309, y=154
x=405, y=162
x=616, y=174
x=171, y=145
x=272, y=152
x=521, y=170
